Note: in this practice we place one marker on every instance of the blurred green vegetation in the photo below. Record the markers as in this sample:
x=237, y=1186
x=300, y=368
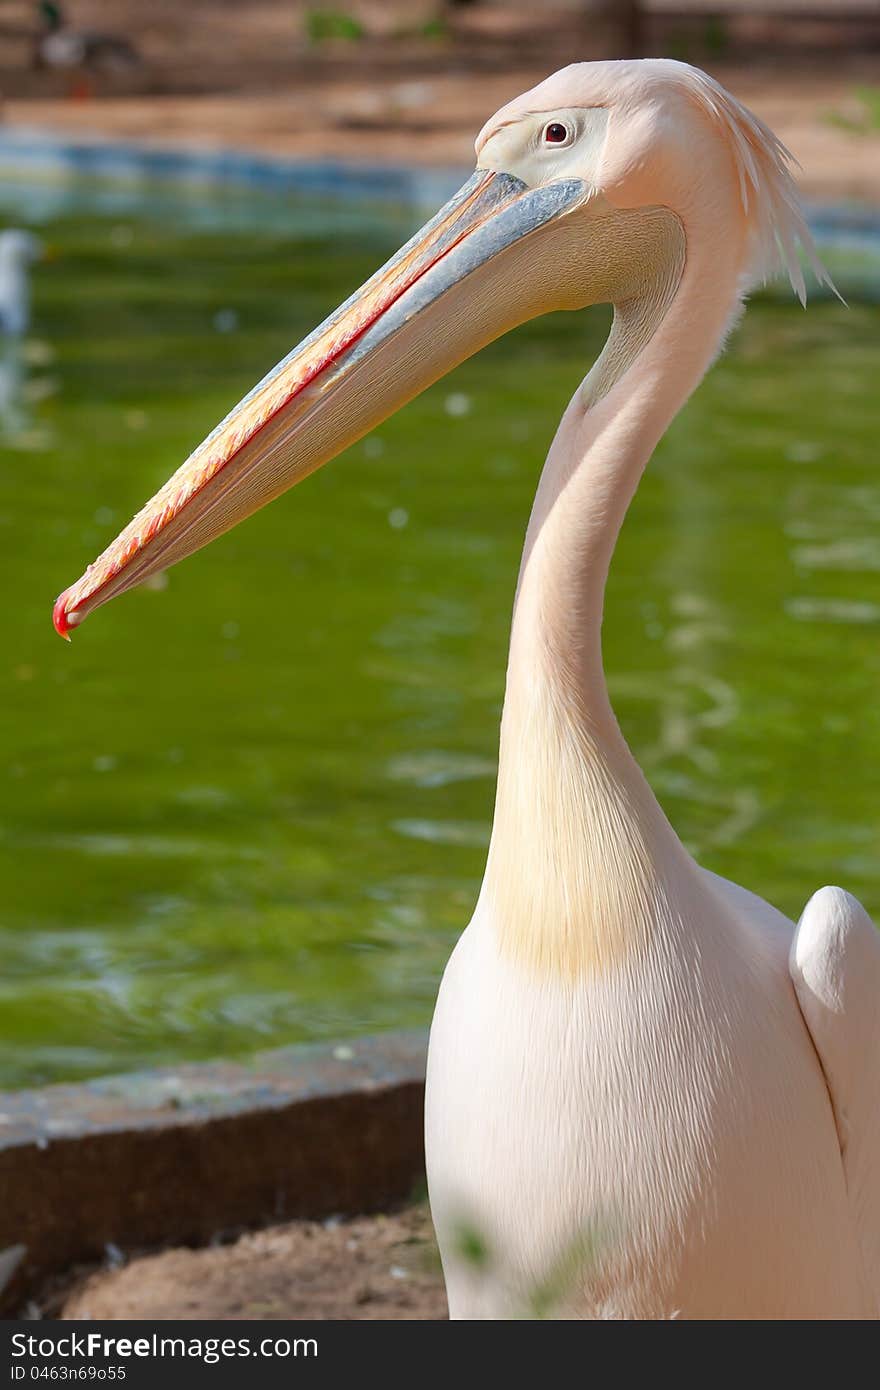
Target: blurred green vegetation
x=326, y=25
x=323, y=25
x=865, y=119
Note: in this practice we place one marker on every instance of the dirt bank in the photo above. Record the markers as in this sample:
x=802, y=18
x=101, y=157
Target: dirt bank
x=369, y=1267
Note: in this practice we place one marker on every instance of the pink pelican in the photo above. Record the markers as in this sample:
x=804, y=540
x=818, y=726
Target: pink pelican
x=649, y=1093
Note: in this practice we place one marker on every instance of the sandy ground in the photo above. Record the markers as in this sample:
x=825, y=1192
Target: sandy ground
x=214, y=72
x=381, y=1267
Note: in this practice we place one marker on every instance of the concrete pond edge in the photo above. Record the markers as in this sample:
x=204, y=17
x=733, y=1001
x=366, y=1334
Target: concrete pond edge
x=182, y=1155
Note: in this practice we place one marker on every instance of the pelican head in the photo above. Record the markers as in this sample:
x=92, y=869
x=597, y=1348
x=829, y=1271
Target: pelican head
x=583, y=188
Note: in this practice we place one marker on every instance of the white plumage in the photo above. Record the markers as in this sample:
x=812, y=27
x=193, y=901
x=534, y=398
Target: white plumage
x=835, y=965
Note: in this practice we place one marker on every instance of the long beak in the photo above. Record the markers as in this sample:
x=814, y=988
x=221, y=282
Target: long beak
x=461, y=281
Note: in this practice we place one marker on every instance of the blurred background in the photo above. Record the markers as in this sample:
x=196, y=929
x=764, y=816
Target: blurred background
x=251, y=805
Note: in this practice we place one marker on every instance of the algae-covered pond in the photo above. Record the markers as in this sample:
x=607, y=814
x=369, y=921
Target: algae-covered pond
x=252, y=806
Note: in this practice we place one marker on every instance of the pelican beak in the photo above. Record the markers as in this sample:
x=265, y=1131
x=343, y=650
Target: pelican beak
x=461, y=281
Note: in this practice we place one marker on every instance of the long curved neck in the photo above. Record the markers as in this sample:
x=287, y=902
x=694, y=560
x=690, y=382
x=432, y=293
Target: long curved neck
x=582, y=860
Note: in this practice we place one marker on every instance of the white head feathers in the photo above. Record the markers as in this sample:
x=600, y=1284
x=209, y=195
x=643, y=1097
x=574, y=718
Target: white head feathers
x=769, y=194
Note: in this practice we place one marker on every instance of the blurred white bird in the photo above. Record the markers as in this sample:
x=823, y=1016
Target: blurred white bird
x=60, y=45
x=18, y=250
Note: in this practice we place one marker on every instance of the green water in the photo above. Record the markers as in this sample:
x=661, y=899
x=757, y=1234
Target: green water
x=253, y=807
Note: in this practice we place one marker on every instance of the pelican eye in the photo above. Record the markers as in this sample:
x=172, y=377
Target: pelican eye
x=555, y=133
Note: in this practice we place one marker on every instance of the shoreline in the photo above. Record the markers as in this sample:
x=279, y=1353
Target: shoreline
x=427, y=123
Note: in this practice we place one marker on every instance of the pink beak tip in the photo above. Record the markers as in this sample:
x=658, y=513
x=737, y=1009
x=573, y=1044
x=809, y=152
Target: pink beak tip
x=62, y=619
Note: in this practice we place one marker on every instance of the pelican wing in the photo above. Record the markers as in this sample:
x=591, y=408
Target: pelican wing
x=835, y=966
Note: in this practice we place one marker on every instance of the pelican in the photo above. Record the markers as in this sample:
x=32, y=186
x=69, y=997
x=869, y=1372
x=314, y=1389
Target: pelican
x=649, y=1094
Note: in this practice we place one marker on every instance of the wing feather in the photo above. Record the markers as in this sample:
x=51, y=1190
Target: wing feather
x=835, y=966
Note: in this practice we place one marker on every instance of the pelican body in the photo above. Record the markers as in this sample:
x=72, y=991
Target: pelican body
x=649, y=1095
